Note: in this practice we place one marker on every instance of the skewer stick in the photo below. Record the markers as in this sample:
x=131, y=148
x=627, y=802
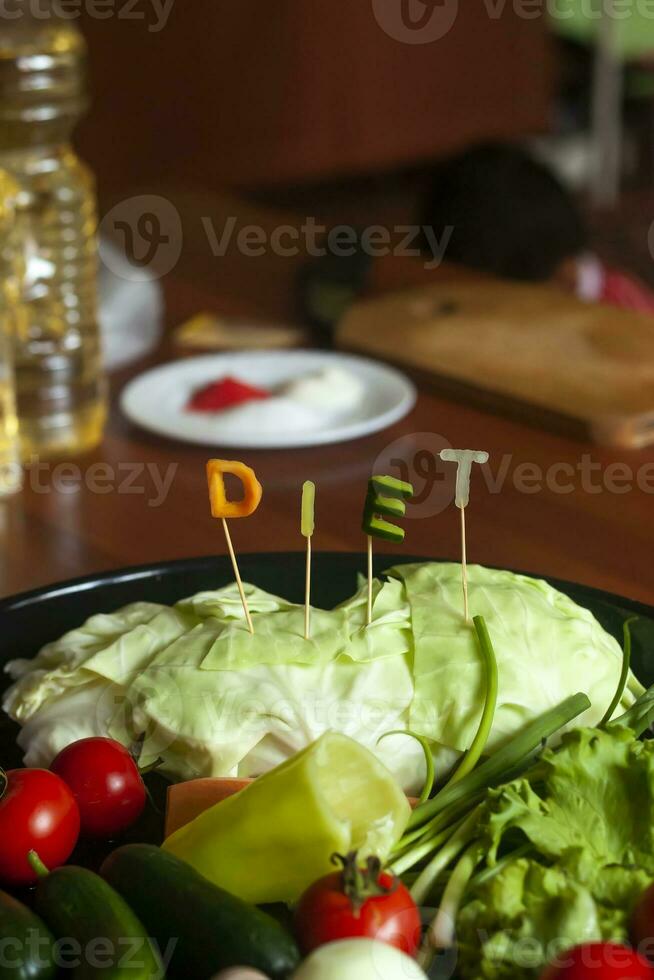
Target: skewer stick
x=223, y=508
x=464, y=565
x=307, y=527
x=369, y=613
x=237, y=576
x=307, y=594
x=464, y=458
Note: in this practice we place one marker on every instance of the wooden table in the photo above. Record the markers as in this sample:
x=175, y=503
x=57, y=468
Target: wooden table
x=96, y=520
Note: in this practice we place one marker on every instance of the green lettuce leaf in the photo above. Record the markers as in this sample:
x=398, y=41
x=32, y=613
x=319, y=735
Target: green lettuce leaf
x=589, y=804
x=529, y=914
x=586, y=812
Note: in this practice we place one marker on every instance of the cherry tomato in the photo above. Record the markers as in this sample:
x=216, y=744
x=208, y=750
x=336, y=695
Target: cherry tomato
x=38, y=813
x=642, y=921
x=358, y=903
x=599, y=961
x=106, y=783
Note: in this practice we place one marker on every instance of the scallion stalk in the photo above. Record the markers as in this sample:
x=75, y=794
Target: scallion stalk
x=410, y=857
x=489, y=873
x=639, y=717
x=459, y=839
x=624, y=674
x=507, y=759
x=442, y=931
x=473, y=755
x=429, y=760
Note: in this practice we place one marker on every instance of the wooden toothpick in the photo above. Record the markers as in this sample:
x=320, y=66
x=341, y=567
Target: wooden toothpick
x=223, y=508
x=464, y=565
x=464, y=458
x=237, y=576
x=307, y=528
x=307, y=594
x=369, y=613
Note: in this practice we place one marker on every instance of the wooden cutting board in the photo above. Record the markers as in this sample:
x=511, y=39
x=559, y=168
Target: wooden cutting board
x=528, y=350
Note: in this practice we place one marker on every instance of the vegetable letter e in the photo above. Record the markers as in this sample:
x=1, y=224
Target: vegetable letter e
x=386, y=496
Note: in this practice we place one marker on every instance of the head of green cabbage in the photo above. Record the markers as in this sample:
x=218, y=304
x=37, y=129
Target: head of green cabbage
x=193, y=686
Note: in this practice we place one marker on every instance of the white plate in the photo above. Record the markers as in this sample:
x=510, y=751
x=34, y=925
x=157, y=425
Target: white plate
x=156, y=400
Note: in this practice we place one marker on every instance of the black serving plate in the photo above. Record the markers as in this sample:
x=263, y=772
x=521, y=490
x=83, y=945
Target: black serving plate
x=29, y=620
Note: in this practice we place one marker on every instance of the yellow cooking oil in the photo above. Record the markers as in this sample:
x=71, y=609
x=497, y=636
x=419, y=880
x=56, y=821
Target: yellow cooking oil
x=10, y=286
x=60, y=389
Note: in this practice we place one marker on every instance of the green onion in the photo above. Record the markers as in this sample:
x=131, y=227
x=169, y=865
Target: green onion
x=474, y=753
x=515, y=753
x=442, y=931
x=639, y=717
x=489, y=873
x=441, y=821
x=626, y=663
x=459, y=839
x=429, y=760
x=409, y=858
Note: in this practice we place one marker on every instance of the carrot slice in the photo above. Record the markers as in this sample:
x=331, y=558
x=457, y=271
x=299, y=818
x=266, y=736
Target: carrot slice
x=186, y=801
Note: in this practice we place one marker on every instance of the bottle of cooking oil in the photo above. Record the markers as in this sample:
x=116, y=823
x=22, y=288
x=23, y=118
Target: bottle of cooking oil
x=10, y=289
x=59, y=383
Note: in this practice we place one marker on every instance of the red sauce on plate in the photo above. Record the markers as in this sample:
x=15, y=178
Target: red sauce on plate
x=226, y=393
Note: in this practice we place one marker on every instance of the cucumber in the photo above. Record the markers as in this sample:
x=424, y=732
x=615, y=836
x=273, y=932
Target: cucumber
x=213, y=929
x=99, y=934
x=26, y=945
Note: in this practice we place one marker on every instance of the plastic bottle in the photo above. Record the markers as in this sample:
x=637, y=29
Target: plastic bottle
x=10, y=288
x=60, y=388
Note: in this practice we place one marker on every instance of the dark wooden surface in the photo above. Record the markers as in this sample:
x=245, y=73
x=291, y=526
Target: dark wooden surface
x=600, y=538
x=261, y=94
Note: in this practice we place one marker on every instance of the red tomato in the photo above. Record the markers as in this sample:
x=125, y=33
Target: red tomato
x=38, y=813
x=358, y=902
x=106, y=783
x=642, y=922
x=599, y=961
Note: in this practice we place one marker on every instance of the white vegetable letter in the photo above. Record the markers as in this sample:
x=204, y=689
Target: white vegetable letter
x=464, y=458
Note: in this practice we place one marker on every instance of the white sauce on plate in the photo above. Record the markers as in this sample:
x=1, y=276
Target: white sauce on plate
x=305, y=403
